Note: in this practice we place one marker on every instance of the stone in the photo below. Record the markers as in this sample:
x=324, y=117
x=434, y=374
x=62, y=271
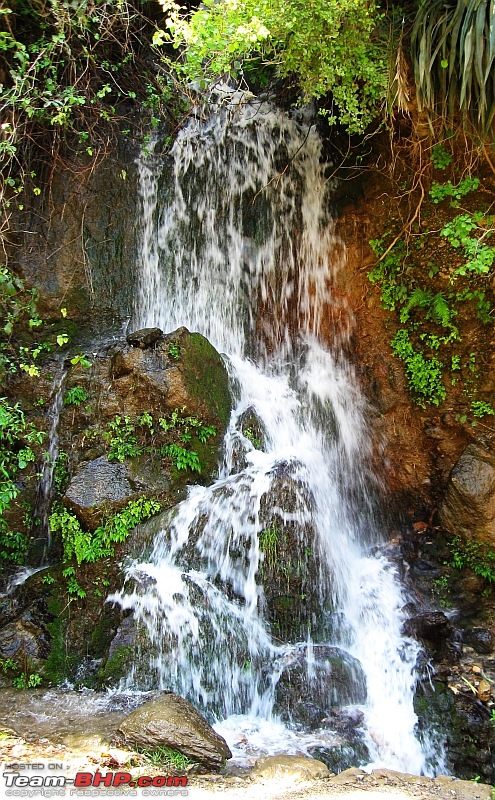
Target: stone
x=484, y=691
x=340, y=757
x=433, y=626
x=337, y=679
x=468, y=507
x=144, y=338
x=27, y=636
x=98, y=488
x=174, y=722
x=480, y=639
x=296, y=768
x=193, y=377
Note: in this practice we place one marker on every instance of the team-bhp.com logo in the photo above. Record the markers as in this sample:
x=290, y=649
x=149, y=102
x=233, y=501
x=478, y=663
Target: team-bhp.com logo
x=169, y=784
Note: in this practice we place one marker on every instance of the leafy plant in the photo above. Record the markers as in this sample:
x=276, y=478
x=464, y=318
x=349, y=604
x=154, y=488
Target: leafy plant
x=121, y=436
x=7, y=664
x=75, y=396
x=440, y=157
x=473, y=555
x=440, y=588
x=441, y=191
x=87, y=546
x=268, y=542
x=25, y=681
x=255, y=440
x=453, y=51
x=437, y=309
x=424, y=374
x=480, y=255
x=18, y=311
x=61, y=471
x=173, y=350
x=330, y=48
x=480, y=408
x=388, y=273
x=80, y=360
x=17, y=439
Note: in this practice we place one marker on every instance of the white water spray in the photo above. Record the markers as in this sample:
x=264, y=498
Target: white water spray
x=238, y=244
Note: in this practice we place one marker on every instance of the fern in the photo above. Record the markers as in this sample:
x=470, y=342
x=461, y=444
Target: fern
x=417, y=299
x=438, y=309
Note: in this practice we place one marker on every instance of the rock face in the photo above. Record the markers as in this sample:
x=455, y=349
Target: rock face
x=172, y=721
x=154, y=375
x=27, y=637
x=100, y=488
x=468, y=508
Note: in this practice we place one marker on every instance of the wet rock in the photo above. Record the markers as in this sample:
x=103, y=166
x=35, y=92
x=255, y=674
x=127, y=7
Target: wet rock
x=340, y=757
x=26, y=637
x=480, y=639
x=462, y=723
x=144, y=338
x=305, y=693
x=100, y=488
x=172, y=721
x=468, y=508
x=433, y=626
x=297, y=768
x=252, y=428
x=183, y=369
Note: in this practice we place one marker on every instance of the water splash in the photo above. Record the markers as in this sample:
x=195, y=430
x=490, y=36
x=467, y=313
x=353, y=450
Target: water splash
x=238, y=243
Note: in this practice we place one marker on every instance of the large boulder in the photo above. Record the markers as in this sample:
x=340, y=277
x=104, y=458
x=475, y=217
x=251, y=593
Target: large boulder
x=468, y=508
x=101, y=487
x=305, y=695
x=182, y=369
x=172, y=721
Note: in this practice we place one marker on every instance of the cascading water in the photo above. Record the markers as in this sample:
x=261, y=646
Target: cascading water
x=45, y=486
x=239, y=244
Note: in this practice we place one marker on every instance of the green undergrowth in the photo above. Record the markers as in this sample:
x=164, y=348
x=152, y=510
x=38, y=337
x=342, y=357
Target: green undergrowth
x=437, y=283
x=163, y=757
x=172, y=437
x=81, y=546
x=474, y=556
x=22, y=678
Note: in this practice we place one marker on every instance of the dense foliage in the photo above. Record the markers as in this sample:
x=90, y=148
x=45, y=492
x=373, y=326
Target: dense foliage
x=328, y=47
x=67, y=80
x=453, y=49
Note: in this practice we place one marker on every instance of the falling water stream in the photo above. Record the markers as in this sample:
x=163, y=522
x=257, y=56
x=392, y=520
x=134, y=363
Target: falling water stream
x=238, y=243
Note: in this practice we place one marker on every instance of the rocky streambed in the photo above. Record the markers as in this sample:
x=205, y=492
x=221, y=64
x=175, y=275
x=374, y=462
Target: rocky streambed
x=67, y=732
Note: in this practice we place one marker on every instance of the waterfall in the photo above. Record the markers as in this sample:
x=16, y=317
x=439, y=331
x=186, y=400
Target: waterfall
x=238, y=243
x=45, y=486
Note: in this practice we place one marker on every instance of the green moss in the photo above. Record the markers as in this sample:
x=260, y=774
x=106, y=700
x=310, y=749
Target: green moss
x=101, y=635
x=59, y=664
x=117, y=665
x=206, y=376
